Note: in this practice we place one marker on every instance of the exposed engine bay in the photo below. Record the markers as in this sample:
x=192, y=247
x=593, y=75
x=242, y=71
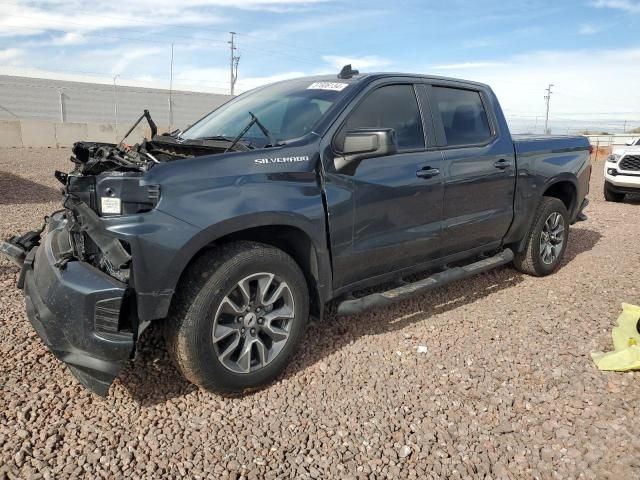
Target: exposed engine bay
x=93, y=158
x=107, y=180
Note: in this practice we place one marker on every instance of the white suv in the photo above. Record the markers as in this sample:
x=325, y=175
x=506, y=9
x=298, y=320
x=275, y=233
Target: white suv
x=622, y=173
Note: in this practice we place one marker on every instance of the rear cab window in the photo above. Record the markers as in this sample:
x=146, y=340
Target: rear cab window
x=463, y=116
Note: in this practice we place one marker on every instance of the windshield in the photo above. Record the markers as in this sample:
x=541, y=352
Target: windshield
x=288, y=110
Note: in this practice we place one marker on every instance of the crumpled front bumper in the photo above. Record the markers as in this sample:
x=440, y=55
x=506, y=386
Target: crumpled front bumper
x=79, y=312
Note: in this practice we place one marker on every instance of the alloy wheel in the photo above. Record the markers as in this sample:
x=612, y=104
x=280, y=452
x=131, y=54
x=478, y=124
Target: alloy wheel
x=552, y=238
x=253, y=322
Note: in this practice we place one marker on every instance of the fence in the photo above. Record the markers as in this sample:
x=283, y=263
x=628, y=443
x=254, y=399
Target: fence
x=603, y=144
x=611, y=141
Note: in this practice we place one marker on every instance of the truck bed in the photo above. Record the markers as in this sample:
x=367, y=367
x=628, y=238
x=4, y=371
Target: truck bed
x=537, y=144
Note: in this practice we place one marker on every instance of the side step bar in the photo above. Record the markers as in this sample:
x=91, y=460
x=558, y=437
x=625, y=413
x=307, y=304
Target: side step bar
x=398, y=294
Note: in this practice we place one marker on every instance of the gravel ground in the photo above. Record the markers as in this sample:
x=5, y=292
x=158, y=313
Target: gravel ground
x=506, y=388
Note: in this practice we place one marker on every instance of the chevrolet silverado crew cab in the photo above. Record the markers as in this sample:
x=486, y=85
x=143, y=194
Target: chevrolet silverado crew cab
x=622, y=172
x=359, y=190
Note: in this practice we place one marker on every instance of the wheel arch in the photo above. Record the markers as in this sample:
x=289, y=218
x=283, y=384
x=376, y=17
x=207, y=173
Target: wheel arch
x=289, y=236
x=565, y=190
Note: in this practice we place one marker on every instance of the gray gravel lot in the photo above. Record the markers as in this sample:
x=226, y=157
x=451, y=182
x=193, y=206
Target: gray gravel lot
x=506, y=388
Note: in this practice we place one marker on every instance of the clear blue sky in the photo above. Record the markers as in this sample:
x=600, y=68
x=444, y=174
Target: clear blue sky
x=588, y=48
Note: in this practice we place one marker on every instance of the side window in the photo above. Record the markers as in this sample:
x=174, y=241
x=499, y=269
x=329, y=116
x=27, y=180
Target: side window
x=393, y=106
x=463, y=116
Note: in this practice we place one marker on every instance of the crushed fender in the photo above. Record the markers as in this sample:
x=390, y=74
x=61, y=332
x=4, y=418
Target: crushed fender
x=626, y=343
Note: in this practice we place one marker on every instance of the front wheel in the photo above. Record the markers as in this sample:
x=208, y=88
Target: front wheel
x=239, y=315
x=546, y=240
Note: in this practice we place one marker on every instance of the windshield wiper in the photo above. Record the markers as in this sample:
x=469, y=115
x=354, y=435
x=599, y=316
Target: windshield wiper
x=208, y=142
x=263, y=129
x=216, y=137
x=233, y=142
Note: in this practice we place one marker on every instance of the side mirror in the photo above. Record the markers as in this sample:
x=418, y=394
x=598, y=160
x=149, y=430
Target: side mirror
x=366, y=143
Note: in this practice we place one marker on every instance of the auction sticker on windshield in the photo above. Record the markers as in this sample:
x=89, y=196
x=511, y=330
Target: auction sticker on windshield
x=335, y=86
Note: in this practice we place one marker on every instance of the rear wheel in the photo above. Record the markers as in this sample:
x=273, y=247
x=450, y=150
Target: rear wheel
x=239, y=315
x=610, y=195
x=546, y=241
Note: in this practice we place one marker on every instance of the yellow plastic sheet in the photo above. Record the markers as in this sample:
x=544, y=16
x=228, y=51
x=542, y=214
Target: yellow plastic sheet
x=626, y=343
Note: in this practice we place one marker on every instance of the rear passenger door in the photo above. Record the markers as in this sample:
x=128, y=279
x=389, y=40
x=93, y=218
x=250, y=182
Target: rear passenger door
x=479, y=165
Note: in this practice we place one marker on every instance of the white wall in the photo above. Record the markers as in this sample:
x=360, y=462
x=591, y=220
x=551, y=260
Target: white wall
x=41, y=133
x=23, y=98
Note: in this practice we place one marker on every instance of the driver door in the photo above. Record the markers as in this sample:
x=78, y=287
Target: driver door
x=385, y=214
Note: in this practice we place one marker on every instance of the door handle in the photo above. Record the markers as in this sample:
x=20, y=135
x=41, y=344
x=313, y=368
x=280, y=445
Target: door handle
x=502, y=164
x=427, y=172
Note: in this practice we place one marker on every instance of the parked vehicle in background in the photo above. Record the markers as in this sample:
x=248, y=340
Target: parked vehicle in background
x=286, y=198
x=622, y=173
x=621, y=149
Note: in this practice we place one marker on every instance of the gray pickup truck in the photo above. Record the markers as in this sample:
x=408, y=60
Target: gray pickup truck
x=288, y=197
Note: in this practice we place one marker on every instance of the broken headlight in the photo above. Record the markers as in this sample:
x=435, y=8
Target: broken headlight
x=122, y=195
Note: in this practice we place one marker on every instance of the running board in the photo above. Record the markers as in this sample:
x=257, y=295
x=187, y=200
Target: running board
x=382, y=299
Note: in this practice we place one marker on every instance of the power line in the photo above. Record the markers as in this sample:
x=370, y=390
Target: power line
x=99, y=34
x=193, y=41
x=198, y=40
x=285, y=44
x=139, y=21
x=262, y=51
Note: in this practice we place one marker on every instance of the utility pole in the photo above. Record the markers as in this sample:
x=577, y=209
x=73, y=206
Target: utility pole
x=115, y=101
x=233, y=62
x=171, y=92
x=625, y=127
x=547, y=97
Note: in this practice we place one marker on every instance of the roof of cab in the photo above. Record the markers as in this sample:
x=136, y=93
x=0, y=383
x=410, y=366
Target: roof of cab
x=379, y=75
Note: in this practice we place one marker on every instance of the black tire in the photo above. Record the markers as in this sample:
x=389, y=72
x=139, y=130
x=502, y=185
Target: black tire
x=530, y=260
x=610, y=195
x=208, y=282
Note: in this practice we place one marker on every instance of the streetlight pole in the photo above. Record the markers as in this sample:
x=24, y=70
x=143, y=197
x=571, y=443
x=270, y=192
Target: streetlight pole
x=115, y=101
x=171, y=92
x=61, y=93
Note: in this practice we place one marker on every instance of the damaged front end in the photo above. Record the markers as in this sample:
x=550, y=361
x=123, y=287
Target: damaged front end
x=81, y=313
x=75, y=275
x=77, y=270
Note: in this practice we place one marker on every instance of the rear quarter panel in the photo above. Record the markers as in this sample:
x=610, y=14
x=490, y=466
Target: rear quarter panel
x=542, y=162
